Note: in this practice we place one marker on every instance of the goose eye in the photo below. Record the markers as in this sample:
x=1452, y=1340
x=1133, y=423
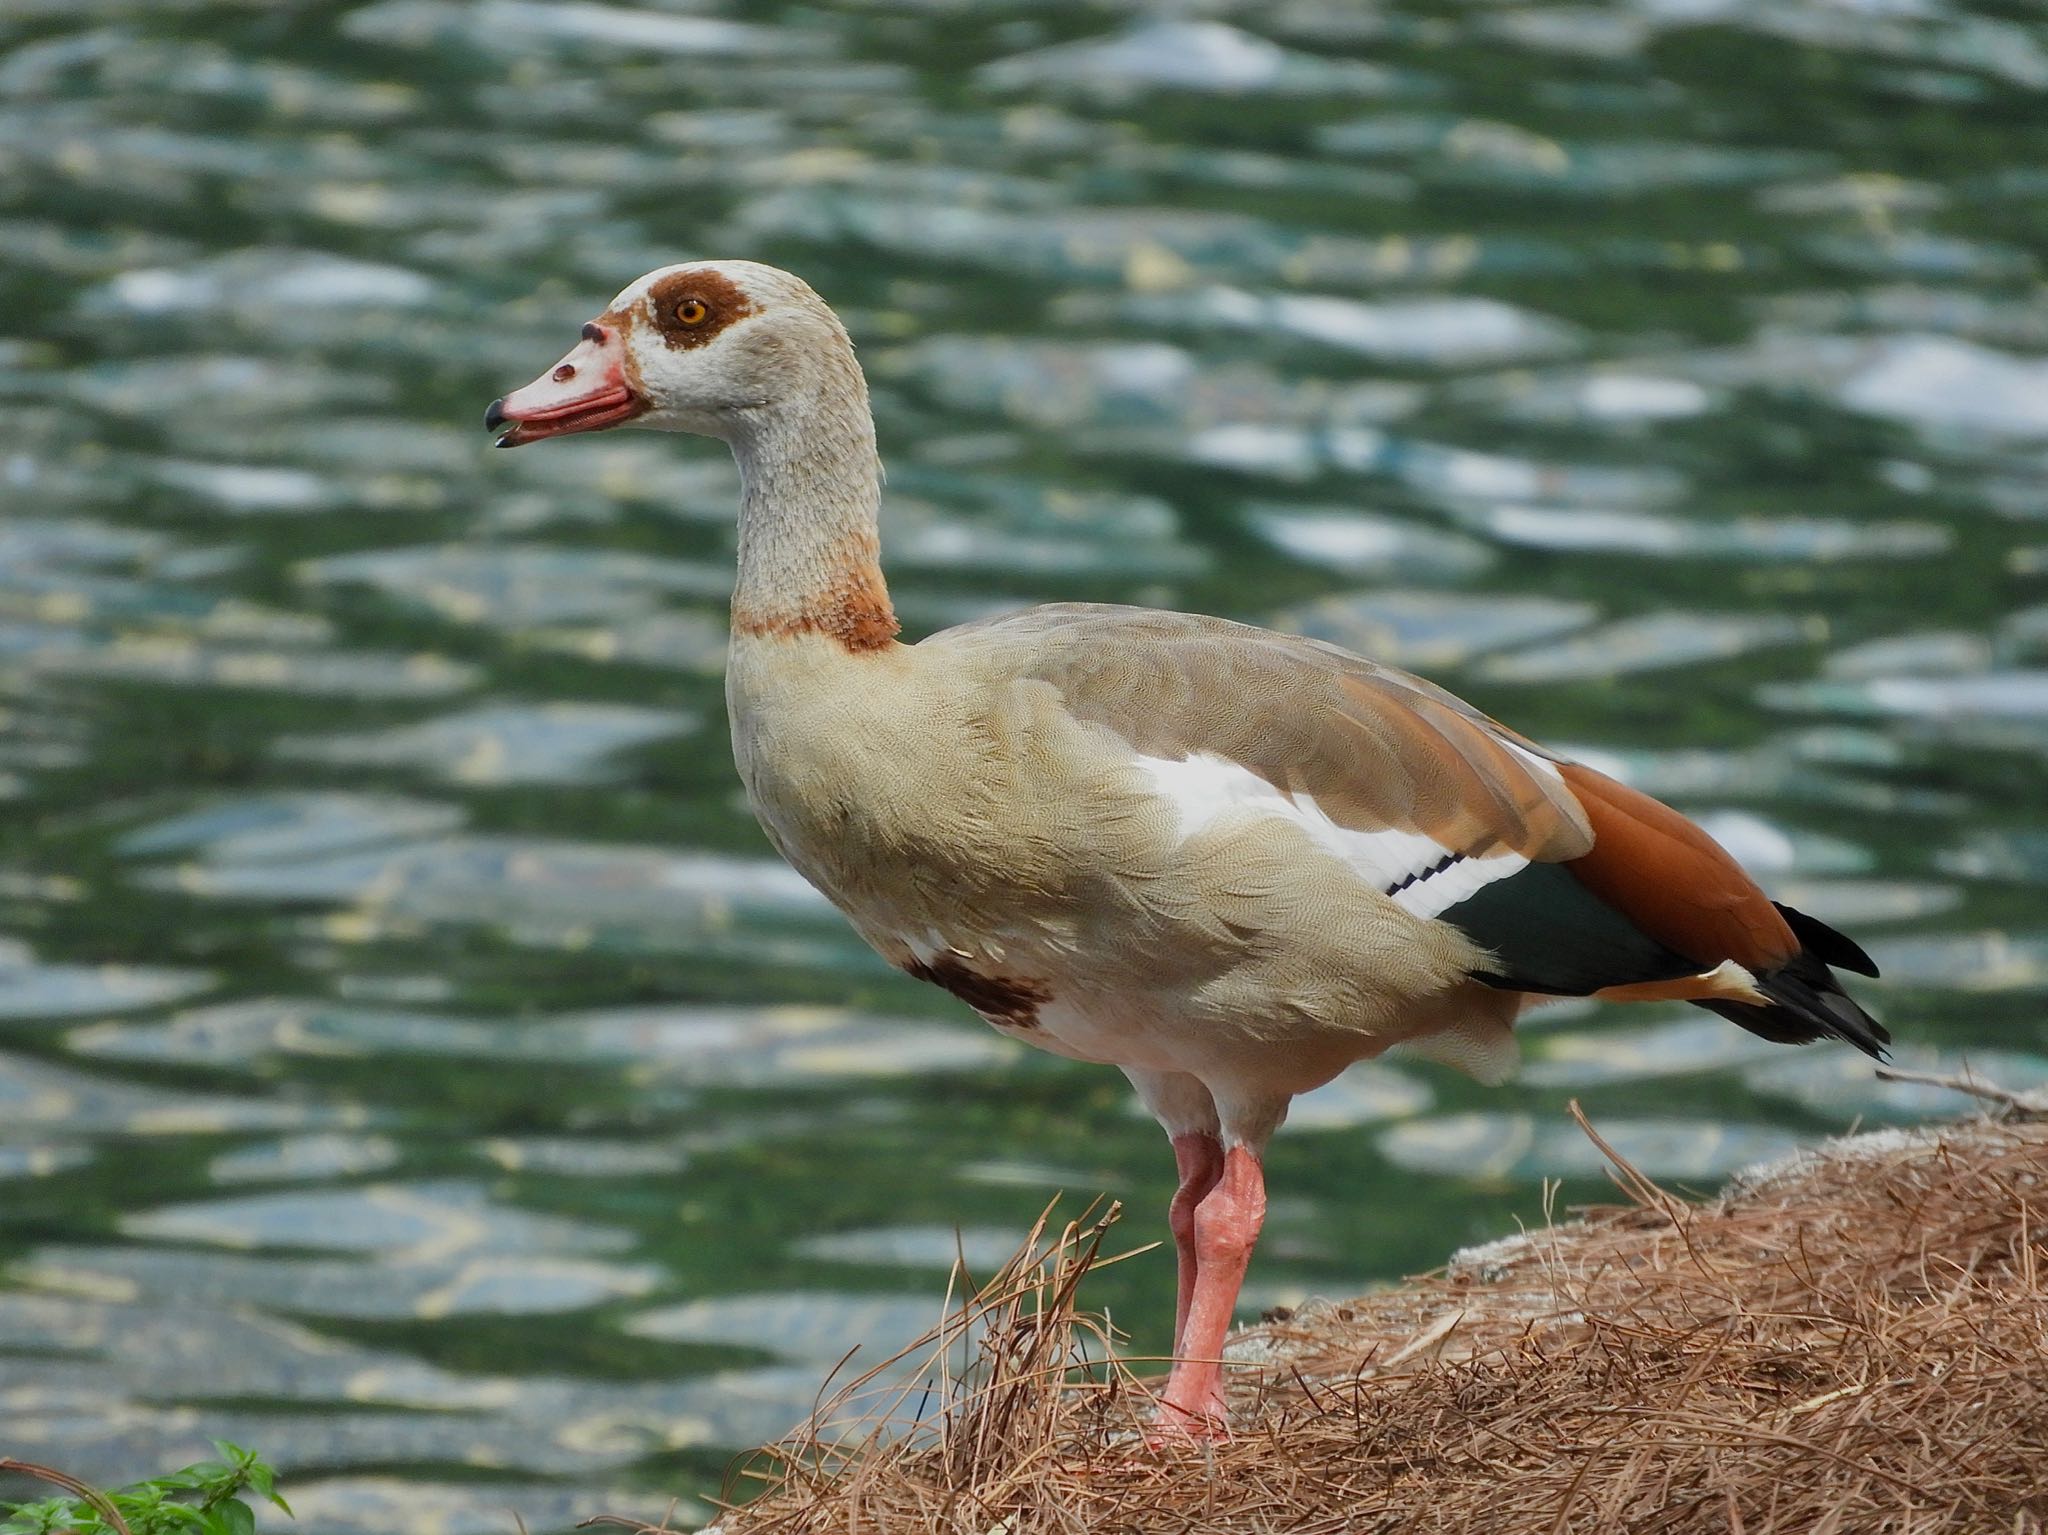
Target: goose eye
x=693, y=311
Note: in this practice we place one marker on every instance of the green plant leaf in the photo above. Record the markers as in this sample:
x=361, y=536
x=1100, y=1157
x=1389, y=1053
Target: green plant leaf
x=43, y=1516
x=200, y=1498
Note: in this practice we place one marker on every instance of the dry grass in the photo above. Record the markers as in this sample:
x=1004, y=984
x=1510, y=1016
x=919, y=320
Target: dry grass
x=1857, y=1344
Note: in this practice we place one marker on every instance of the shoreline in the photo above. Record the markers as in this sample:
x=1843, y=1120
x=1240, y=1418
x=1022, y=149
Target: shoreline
x=1854, y=1338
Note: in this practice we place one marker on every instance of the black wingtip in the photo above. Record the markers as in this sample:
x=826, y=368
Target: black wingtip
x=1806, y=1003
x=1833, y=948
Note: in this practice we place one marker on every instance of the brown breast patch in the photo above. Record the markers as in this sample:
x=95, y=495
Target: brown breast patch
x=999, y=998
x=853, y=609
x=724, y=301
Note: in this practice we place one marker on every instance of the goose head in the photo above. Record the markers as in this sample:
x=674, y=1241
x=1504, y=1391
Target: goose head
x=702, y=346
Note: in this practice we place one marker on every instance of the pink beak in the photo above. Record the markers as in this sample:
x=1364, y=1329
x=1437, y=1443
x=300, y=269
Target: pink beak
x=584, y=392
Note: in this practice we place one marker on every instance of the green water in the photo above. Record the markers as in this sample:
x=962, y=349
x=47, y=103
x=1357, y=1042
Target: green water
x=413, y=1061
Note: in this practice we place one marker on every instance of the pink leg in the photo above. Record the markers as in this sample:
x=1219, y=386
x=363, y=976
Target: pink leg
x=1226, y=1227
x=1200, y=1159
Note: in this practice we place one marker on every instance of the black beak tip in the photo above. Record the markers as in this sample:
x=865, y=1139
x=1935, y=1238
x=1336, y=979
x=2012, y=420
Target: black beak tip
x=494, y=414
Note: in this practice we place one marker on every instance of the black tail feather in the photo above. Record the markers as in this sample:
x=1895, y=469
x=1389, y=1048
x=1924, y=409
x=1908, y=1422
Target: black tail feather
x=1822, y=941
x=1808, y=1003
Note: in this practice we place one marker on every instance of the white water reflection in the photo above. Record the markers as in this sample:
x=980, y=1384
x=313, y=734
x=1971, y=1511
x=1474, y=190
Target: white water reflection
x=513, y=25
x=306, y=1158
x=725, y=1046
x=1653, y=642
x=1432, y=332
x=29, y=989
x=1681, y=1047
x=280, y=828
x=807, y=1325
x=512, y=586
x=1850, y=1091
x=1966, y=963
x=429, y=1286
x=1361, y=544
x=536, y=890
x=39, y=1101
x=399, y=1219
x=1938, y=382
x=259, y=286
x=501, y=744
x=1593, y=530
x=982, y=1249
x=1522, y=1146
x=1205, y=56
x=1424, y=630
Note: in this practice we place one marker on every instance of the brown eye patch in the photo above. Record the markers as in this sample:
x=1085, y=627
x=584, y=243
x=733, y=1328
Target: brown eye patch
x=689, y=308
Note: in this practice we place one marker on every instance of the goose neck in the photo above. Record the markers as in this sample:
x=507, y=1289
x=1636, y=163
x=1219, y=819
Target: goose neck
x=809, y=545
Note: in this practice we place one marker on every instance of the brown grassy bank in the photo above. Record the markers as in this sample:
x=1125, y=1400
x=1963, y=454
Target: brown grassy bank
x=1858, y=1342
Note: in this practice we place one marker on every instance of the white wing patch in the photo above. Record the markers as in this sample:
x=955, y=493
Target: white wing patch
x=1416, y=872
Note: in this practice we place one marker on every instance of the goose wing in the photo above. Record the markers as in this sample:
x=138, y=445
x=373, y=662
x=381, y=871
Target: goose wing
x=1573, y=883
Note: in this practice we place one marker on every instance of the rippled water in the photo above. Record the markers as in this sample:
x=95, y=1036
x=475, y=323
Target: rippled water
x=413, y=1062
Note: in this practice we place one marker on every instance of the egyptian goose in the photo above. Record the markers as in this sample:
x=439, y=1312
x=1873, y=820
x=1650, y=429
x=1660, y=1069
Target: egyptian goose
x=1227, y=861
